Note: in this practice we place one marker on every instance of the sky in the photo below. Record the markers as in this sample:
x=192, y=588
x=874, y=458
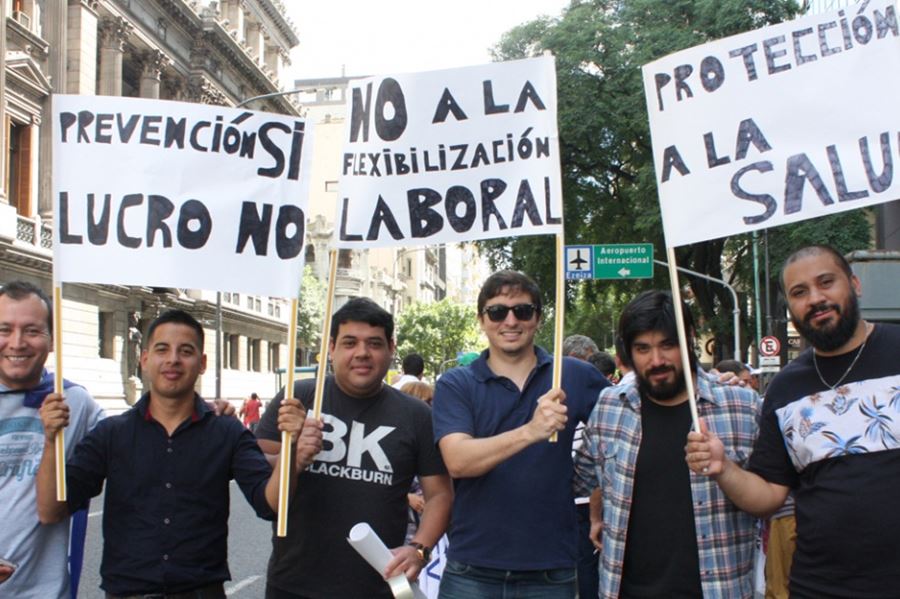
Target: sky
x=401, y=36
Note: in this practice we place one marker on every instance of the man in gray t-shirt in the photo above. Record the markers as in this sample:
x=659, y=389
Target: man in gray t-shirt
x=39, y=554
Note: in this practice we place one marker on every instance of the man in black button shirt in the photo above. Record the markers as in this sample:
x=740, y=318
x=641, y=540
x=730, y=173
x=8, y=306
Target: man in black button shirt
x=167, y=463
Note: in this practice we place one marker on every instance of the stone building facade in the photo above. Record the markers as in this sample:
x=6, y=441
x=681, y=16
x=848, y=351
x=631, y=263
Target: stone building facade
x=188, y=50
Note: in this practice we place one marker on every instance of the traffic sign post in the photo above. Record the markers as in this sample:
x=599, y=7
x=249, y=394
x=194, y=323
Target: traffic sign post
x=769, y=346
x=610, y=261
x=579, y=262
x=623, y=261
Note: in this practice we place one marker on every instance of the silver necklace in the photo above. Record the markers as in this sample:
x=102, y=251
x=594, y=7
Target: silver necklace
x=849, y=368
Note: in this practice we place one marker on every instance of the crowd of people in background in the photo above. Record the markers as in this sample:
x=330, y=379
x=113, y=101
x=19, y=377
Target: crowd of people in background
x=600, y=487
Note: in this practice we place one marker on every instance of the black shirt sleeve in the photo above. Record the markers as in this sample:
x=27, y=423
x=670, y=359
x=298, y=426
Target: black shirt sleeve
x=770, y=458
x=87, y=468
x=268, y=425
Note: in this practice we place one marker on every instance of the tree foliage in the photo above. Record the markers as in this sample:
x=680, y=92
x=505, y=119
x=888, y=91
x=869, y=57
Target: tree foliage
x=608, y=177
x=437, y=331
x=311, y=310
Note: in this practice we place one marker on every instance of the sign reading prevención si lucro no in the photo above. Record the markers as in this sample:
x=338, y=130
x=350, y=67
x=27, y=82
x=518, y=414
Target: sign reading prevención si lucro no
x=171, y=194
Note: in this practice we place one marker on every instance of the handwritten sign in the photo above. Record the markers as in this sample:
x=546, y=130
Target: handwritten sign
x=172, y=194
x=451, y=155
x=778, y=125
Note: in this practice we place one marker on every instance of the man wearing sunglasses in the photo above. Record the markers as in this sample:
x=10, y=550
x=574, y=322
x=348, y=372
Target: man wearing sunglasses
x=514, y=523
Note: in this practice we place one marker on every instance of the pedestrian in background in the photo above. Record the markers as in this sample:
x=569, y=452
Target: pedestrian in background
x=250, y=412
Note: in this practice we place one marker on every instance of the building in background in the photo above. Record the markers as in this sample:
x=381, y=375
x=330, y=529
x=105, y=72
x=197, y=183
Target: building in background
x=392, y=277
x=196, y=51
x=204, y=51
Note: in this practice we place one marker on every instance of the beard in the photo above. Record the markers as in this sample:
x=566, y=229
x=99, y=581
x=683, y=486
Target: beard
x=661, y=391
x=829, y=337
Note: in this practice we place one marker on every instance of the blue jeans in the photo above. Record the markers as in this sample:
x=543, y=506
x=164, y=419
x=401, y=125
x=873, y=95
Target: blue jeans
x=461, y=581
x=588, y=558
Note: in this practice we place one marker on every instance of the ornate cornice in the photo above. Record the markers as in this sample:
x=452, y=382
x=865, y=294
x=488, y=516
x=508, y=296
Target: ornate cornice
x=113, y=33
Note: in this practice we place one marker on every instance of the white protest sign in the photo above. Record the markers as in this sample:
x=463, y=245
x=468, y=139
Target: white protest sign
x=777, y=125
x=453, y=155
x=171, y=194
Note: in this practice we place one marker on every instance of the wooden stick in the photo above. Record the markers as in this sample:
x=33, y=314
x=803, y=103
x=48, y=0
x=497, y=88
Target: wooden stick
x=326, y=332
x=682, y=337
x=284, y=465
x=559, y=315
x=58, y=388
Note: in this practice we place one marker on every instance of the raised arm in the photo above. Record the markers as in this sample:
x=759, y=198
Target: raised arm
x=467, y=456
x=54, y=417
x=705, y=454
x=306, y=437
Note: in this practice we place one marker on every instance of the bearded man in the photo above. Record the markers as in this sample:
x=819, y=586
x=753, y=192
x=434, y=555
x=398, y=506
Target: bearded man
x=661, y=530
x=830, y=431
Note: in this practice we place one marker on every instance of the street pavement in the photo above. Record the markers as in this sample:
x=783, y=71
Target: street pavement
x=249, y=546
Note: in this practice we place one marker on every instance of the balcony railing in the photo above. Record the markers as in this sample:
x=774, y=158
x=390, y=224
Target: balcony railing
x=34, y=231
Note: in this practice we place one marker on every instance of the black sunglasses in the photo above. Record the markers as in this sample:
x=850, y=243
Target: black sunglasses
x=498, y=312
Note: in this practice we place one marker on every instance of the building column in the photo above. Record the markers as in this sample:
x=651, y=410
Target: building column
x=3, y=140
x=255, y=41
x=234, y=12
x=82, y=47
x=55, y=30
x=152, y=63
x=113, y=33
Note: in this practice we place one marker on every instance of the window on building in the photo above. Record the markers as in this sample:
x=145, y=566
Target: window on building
x=345, y=259
x=18, y=168
x=253, y=357
x=22, y=13
x=249, y=303
x=258, y=305
x=277, y=311
x=105, y=335
x=310, y=257
x=274, y=356
x=231, y=352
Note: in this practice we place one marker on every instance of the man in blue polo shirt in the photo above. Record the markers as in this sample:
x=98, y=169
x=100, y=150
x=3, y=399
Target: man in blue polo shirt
x=513, y=523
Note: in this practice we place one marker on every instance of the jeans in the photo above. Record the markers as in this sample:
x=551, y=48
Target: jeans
x=588, y=557
x=461, y=581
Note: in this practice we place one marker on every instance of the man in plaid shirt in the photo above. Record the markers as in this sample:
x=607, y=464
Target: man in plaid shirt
x=662, y=530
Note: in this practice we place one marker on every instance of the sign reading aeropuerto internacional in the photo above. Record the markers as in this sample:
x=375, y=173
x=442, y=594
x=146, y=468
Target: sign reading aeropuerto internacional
x=451, y=155
x=172, y=194
x=778, y=125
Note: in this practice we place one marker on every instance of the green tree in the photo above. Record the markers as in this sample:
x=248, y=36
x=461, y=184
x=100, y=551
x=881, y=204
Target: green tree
x=609, y=182
x=437, y=332
x=311, y=310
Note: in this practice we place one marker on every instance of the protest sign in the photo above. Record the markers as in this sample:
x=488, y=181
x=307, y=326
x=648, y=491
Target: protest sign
x=785, y=123
x=452, y=155
x=172, y=194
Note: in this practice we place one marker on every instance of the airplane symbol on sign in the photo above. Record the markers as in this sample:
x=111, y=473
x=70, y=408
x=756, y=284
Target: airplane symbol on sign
x=578, y=261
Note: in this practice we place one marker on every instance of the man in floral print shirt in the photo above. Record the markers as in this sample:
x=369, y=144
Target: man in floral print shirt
x=830, y=431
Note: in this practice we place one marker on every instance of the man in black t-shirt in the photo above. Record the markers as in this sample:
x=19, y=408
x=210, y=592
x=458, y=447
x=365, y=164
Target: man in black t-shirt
x=373, y=440
x=830, y=430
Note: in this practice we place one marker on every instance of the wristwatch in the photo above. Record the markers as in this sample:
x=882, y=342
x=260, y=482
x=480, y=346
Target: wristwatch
x=423, y=551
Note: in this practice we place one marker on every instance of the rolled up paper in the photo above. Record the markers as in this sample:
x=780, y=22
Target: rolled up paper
x=372, y=549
